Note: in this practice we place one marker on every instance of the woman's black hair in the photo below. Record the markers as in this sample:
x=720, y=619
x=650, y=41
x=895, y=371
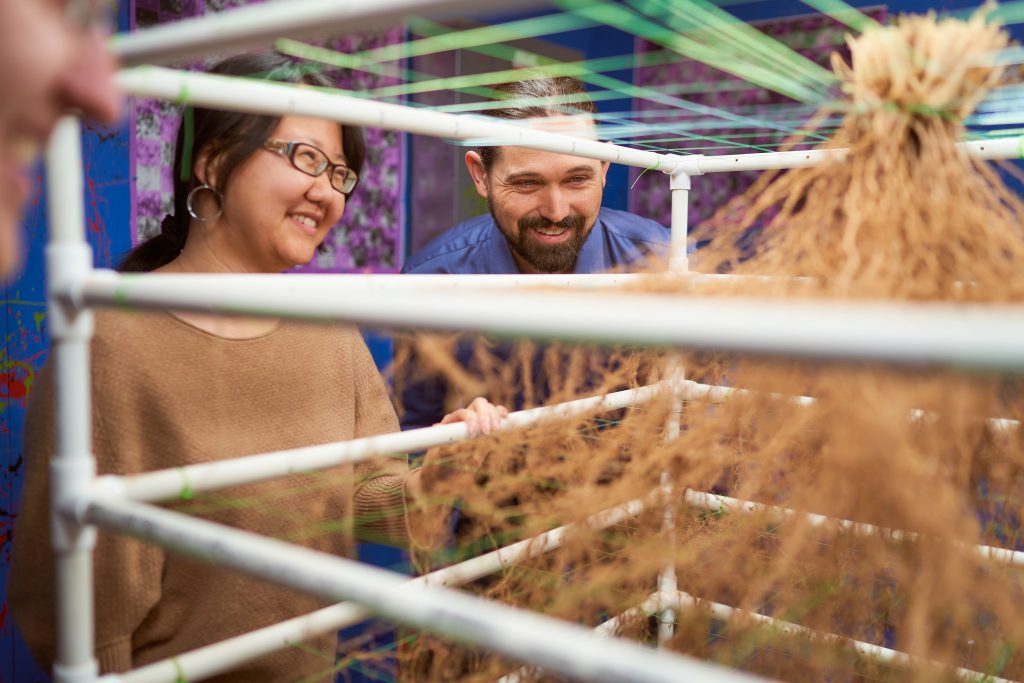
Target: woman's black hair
x=227, y=138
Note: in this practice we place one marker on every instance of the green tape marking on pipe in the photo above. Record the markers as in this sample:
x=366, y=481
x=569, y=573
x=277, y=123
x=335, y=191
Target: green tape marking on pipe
x=184, y=94
x=179, y=670
x=121, y=291
x=186, y=492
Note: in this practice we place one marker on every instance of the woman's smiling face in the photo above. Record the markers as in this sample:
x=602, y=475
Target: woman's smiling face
x=275, y=216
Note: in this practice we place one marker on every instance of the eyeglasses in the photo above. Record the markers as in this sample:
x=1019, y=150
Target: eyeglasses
x=314, y=162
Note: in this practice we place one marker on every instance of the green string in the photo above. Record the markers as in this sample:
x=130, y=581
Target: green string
x=649, y=168
x=188, y=121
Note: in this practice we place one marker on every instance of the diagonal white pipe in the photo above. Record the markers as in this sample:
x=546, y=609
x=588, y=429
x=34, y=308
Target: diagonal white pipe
x=233, y=652
x=171, y=483
x=555, y=645
x=260, y=25
x=870, y=651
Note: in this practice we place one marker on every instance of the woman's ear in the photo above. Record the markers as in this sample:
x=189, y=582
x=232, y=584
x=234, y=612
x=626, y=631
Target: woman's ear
x=204, y=168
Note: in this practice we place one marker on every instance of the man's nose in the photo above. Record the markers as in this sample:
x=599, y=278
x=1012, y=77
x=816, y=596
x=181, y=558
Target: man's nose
x=554, y=204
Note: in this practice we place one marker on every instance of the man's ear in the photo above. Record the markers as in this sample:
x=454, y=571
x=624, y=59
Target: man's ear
x=475, y=166
x=605, y=165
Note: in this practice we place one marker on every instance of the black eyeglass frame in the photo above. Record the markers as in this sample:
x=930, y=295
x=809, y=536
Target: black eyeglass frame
x=289, y=149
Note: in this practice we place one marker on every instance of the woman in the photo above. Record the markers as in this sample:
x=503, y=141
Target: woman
x=258, y=195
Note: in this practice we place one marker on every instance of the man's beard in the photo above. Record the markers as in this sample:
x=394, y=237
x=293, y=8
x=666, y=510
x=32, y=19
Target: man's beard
x=547, y=258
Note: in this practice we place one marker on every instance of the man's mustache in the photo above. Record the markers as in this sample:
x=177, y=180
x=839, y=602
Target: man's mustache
x=574, y=221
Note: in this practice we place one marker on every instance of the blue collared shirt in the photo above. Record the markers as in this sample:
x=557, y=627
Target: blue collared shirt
x=617, y=241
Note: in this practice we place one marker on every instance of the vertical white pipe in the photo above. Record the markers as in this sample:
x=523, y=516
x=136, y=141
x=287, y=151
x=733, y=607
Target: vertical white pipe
x=680, y=187
x=667, y=579
x=678, y=262
x=72, y=467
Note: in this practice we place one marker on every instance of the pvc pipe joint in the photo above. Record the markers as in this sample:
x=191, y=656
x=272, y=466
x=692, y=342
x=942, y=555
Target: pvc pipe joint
x=83, y=673
x=679, y=181
x=68, y=265
x=685, y=165
x=71, y=479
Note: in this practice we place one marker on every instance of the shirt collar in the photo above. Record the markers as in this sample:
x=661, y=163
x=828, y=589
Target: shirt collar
x=593, y=255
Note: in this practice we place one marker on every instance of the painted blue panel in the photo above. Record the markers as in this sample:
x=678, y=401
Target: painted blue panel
x=106, y=197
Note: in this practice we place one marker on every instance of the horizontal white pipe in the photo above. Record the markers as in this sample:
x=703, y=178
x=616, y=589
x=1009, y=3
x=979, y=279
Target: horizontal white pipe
x=167, y=484
x=716, y=502
x=278, y=99
x=719, y=394
x=260, y=25
x=699, y=164
x=870, y=651
x=979, y=337
x=555, y=645
x=388, y=282
x=233, y=652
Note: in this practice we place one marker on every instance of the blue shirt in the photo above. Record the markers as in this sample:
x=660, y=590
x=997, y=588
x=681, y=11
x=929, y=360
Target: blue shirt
x=618, y=239
x=478, y=246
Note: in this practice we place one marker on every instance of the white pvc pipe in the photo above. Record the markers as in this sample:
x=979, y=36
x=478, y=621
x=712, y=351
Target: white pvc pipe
x=867, y=650
x=233, y=652
x=981, y=337
x=679, y=186
x=716, y=502
x=260, y=25
x=72, y=467
x=699, y=164
x=719, y=394
x=388, y=282
x=555, y=645
x=166, y=484
x=279, y=99
x=667, y=576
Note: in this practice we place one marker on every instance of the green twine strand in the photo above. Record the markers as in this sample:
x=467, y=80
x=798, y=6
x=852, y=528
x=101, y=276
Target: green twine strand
x=186, y=154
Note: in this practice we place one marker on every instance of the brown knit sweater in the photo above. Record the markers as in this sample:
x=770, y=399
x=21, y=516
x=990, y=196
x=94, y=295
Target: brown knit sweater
x=166, y=394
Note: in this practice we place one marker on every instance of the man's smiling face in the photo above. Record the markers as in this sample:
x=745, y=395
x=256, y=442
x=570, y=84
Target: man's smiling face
x=544, y=203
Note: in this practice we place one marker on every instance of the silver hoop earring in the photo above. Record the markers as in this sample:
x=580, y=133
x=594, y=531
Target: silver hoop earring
x=190, y=199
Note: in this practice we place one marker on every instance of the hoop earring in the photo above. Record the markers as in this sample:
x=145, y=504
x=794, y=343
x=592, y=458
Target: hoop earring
x=190, y=199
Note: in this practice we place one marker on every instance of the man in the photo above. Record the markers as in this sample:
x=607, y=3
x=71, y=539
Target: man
x=545, y=208
x=52, y=59
x=545, y=215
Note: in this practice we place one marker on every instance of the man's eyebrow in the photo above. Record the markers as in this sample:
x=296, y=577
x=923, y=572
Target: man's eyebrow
x=580, y=169
x=521, y=175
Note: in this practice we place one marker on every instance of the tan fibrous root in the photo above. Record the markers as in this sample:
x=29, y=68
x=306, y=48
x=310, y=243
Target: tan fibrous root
x=905, y=214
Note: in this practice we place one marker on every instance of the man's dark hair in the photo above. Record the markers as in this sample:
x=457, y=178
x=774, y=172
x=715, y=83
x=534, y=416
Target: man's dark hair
x=535, y=98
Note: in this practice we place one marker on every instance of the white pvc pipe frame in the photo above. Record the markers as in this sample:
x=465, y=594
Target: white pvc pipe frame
x=72, y=288
x=219, y=657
